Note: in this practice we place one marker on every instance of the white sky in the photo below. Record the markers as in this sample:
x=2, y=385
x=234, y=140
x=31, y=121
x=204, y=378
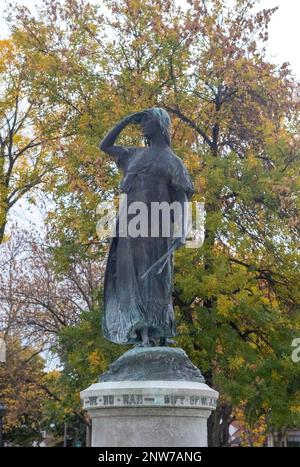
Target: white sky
x=284, y=29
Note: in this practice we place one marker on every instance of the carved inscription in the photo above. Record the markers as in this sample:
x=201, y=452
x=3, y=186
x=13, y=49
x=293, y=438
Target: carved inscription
x=171, y=400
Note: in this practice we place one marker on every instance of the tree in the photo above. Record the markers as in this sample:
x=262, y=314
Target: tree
x=22, y=392
x=235, y=125
x=253, y=435
x=28, y=139
x=43, y=298
x=57, y=311
x=84, y=355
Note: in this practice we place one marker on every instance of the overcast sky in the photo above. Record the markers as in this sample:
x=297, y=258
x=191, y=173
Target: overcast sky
x=284, y=30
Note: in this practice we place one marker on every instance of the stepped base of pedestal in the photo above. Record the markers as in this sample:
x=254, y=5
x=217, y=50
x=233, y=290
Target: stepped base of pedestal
x=149, y=413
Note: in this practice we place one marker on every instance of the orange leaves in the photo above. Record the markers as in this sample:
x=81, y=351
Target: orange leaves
x=7, y=53
x=20, y=385
x=250, y=434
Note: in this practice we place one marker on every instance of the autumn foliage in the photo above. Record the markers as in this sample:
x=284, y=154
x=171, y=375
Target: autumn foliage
x=72, y=70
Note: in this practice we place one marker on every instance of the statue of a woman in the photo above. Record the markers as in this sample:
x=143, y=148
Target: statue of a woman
x=138, y=280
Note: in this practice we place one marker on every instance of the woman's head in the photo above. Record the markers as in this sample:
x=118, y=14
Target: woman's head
x=155, y=125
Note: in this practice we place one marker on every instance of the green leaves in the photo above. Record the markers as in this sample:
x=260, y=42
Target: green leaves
x=233, y=123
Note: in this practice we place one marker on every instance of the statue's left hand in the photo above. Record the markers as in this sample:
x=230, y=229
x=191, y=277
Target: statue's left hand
x=136, y=118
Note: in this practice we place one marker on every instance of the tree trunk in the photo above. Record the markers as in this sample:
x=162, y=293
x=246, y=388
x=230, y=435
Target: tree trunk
x=2, y=231
x=88, y=435
x=218, y=426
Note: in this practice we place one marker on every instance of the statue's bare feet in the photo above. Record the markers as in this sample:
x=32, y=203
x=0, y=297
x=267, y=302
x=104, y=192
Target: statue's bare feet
x=164, y=342
x=143, y=344
x=145, y=341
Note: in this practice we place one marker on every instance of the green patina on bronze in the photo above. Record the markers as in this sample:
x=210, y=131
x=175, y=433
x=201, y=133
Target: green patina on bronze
x=139, y=273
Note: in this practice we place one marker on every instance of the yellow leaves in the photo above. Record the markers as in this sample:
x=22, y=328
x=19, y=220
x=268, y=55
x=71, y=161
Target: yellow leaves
x=210, y=284
x=68, y=410
x=7, y=51
x=224, y=305
x=269, y=131
x=85, y=121
x=200, y=184
x=295, y=409
x=91, y=26
x=5, y=44
x=275, y=375
x=252, y=161
x=52, y=374
x=219, y=349
x=265, y=405
x=192, y=162
x=3, y=204
x=24, y=139
x=250, y=434
x=236, y=362
x=96, y=360
x=20, y=384
x=6, y=237
x=78, y=184
x=183, y=329
x=46, y=63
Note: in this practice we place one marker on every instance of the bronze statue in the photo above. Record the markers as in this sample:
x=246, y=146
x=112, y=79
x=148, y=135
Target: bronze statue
x=138, y=280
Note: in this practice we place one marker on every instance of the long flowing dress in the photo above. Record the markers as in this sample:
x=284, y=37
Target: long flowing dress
x=132, y=301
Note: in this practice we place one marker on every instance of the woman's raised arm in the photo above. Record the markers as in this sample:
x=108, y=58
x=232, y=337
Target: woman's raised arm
x=108, y=143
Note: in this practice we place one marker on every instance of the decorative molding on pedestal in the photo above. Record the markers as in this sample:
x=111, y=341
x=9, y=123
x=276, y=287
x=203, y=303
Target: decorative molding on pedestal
x=143, y=410
x=149, y=394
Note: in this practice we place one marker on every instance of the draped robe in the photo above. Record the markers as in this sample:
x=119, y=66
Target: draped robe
x=132, y=301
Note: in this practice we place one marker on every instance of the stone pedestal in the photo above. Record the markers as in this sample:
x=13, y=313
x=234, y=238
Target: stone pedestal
x=150, y=398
